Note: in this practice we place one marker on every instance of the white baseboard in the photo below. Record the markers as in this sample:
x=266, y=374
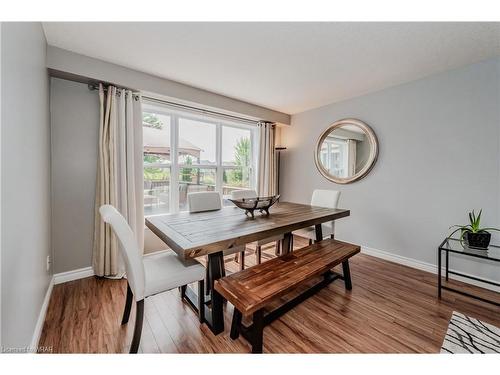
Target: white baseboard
x=80, y=273
x=413, y=263
x=424, y=266
x=41, y=318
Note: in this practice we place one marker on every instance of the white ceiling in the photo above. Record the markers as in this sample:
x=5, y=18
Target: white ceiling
x=290, y=67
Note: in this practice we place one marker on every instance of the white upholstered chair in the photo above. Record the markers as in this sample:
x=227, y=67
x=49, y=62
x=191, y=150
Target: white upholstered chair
x=151, y=274
x=246, y=194
x=204, y=201
x=321, y=198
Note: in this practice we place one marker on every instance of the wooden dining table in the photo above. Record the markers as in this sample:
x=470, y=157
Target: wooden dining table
x=211, y=233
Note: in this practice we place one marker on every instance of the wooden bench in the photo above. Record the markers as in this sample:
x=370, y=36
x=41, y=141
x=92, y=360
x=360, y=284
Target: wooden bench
x=252, y=290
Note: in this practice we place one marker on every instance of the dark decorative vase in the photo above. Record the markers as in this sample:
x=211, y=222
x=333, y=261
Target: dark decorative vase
x=479, y=240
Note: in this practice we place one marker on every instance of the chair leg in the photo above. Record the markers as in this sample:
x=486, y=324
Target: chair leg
x=237, y=257
x=183, y=291
x=242, y=260
x=277, y=248
x=223, y=268
x=332, y=236
x=201, y=301
x=310, y=242
x=128, y=305
x=235, y=325
x=258, y=254
x=207, y=278
x=139, y=317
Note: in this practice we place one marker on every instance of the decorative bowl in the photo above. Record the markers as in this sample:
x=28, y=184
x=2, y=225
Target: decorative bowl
x=259, y=203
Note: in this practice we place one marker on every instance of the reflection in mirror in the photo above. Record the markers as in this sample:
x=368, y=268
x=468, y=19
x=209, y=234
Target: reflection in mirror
x=346, y=151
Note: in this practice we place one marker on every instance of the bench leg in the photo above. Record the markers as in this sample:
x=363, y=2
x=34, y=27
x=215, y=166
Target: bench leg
x=347, y=274
x=257, y=331
x=235, y=325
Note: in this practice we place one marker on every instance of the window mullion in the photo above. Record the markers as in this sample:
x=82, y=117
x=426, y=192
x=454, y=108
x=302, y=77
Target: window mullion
x=218, y=156
x=174, y=172
x=253, y=159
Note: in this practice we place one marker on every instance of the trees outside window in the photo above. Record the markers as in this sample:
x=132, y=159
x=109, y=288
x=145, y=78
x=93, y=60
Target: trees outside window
x=186, y=153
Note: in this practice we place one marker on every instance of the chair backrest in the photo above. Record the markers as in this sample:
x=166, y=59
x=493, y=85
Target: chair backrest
x=241, y=194
x=131, y=254
x=325, y=198
x=204, y=201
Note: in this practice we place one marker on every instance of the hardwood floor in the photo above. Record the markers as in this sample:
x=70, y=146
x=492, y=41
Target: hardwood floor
x=391, y=309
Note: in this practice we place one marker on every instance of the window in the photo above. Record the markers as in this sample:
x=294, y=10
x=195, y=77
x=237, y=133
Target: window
x=333, y=156
x=236, y=159
x=197, y=142
x=206, y=154
x=157, y=162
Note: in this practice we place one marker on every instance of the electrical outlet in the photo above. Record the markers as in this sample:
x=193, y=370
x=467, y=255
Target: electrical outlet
x=48, y=262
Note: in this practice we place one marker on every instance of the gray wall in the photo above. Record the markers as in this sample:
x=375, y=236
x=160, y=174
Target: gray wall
x=439, y=157
x=25, y=180
x=66, y=63
x=74, y=111
x=74, y=131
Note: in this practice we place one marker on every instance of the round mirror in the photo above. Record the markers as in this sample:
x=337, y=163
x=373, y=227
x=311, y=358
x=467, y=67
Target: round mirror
x=346, y=151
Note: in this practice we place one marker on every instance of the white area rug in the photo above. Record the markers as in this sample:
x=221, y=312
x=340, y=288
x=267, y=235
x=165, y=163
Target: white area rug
x=469, y=335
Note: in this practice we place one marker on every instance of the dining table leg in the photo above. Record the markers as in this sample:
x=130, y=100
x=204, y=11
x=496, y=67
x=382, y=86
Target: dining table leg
x=286, y=243
x=216, y=267
x=319, y=232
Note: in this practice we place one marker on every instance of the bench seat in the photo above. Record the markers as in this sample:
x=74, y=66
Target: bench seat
x=255, y=288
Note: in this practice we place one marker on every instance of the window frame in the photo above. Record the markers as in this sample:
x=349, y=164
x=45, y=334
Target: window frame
x=175, y=168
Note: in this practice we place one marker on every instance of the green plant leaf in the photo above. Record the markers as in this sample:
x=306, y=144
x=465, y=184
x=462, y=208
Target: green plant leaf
x=456, y=225
x=463, y=228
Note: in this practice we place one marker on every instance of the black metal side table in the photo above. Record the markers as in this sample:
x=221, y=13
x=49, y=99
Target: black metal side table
x=455, y=246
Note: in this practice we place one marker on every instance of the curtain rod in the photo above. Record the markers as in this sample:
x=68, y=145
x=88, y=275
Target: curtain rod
x=95, y=87
x=200, y=110
x=188, y=107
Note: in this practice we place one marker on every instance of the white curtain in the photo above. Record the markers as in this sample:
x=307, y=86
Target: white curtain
x=119, y=175
x=351, y=157
x=266, y=173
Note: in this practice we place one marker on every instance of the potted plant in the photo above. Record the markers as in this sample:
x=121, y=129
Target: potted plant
x=472, y=234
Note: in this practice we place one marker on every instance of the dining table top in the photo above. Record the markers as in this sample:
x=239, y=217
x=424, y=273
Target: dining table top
x=192, y=235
